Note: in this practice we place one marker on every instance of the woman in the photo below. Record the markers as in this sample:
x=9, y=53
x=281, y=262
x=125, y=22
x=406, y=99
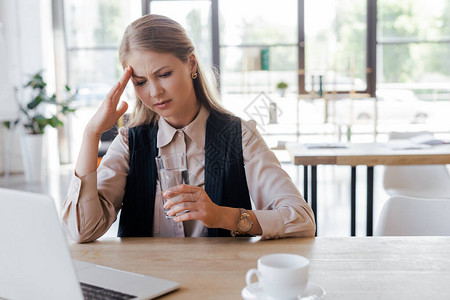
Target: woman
x=231, y=168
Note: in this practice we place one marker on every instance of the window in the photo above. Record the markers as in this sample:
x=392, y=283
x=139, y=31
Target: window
x=195, y=17
x=258, y=43
x=335, y=45
x=412, y=53
x=94, y=30
x=413, y=46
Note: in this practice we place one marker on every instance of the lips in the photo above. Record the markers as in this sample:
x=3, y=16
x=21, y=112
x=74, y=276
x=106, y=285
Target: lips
x=162, y=104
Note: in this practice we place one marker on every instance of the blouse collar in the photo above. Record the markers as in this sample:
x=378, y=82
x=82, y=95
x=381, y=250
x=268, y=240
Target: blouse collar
x=195, y=130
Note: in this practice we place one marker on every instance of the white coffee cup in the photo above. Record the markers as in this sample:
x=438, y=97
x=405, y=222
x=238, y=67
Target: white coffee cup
x=281, y=275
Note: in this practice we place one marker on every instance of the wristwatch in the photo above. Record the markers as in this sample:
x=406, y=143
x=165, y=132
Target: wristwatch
x=244, y=223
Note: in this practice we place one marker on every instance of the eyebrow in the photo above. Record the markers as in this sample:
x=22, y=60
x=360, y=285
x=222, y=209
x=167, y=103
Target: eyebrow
x=143, y=77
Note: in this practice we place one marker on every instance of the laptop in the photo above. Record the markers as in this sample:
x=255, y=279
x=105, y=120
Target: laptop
x=35, y=261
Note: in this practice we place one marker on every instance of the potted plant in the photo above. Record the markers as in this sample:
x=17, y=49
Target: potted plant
x=282, y=87
x=35, y=120
x=35, y=116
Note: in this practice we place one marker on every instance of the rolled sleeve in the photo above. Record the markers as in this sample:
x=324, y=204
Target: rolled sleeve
x=93, y=200
x=271, y=222
x=88, y=187
x=81, y=189
x=74, y=189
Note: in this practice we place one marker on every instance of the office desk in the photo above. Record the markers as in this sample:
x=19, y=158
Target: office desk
x=368, y=154
x=347, y=268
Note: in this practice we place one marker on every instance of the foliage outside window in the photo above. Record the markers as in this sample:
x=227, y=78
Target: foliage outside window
x=335, y=44
x=413, y=47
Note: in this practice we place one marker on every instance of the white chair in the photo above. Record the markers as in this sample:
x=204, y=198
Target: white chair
x=403, y=215
x=421, y=181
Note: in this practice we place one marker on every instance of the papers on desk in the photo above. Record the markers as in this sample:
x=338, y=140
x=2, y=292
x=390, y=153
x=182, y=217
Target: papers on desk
x=427, y=140
x=325, y=146
x=405, y=145
x=423, y=141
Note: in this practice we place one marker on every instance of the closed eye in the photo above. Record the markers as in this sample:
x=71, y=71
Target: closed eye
x=166, y=74
x=139, y=83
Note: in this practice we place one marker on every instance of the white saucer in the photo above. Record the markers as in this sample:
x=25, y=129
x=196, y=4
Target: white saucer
x=254, y=292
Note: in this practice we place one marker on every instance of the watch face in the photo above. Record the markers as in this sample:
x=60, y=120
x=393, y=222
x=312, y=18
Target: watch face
x=245, y=223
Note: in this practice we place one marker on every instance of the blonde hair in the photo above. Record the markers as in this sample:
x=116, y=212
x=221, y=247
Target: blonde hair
x=163, y=35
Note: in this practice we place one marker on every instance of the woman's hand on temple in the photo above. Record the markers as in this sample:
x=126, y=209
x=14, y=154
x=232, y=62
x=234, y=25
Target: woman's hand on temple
x=110, y=110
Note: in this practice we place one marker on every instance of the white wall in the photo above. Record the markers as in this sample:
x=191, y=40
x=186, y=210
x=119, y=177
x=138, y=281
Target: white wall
x=26, y=46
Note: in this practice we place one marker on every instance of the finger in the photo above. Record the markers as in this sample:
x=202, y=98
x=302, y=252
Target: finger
x=181, y=188
x=123, y=82
x=169, y=203
x=180, y=207
x=113, y=90
x=190, y=215
x=176, y=199
x=122, y=108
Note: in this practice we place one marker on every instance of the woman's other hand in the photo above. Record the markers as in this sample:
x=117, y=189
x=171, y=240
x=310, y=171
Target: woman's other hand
x=201, y=207
x=195, y=200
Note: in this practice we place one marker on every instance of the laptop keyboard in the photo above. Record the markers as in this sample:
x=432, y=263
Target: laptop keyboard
x=92, y=292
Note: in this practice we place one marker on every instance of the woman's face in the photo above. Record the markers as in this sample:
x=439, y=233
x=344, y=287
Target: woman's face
x=164, y=85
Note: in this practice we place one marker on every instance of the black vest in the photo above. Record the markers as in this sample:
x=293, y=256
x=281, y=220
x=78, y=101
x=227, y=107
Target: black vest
x=225, y=181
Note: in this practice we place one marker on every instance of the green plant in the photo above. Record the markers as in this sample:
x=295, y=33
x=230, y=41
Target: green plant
x=33, y=118
x=282, y=85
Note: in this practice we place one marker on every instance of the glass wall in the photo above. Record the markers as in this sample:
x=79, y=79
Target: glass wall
x=258, y=45
x=413, y=68
x=195, y=17
x=264, y=44
x=335, y=44
x=94, y=30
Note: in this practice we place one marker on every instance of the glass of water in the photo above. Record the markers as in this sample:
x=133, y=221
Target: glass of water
x=172, y=171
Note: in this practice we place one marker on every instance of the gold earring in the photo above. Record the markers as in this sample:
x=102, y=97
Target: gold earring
x=194, y=75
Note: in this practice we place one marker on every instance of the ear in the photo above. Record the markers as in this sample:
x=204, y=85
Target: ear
x=192, y=60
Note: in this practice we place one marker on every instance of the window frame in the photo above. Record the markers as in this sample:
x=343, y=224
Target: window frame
x=371, y=42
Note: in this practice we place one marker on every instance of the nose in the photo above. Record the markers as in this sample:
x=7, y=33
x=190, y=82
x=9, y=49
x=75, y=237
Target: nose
x=155, y=89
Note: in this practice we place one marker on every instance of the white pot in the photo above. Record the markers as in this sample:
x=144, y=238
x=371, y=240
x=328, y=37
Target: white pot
x=32, y=149
x=282, y=92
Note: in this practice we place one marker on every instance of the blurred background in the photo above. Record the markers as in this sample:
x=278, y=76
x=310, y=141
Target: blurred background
x=304, y=70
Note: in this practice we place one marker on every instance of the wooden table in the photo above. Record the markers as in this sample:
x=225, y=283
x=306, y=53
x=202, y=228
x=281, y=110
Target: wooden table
x=354, y=154
x=347, y=268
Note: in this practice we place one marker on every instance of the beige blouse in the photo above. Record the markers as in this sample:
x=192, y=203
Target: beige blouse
x=94, y=200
